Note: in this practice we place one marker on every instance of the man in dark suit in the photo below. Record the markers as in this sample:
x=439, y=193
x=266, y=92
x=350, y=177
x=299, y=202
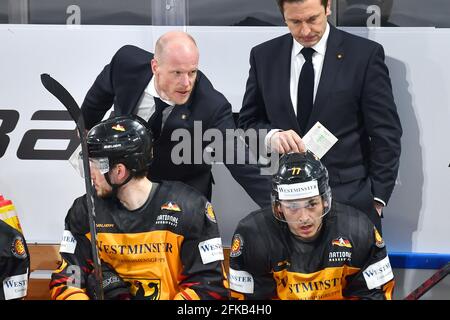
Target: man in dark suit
x=170, y=92
x=351, y=96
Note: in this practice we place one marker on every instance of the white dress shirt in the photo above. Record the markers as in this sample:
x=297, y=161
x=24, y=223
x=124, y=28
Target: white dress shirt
x=146, y=104
x=297, y=61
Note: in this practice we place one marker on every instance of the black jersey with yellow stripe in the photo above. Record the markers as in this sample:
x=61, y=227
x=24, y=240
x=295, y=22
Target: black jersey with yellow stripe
x=170, y=248
x=14, y=263
x=348, y=260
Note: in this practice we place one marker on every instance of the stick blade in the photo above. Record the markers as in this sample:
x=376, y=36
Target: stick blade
x=429, y=283
x=60, y=93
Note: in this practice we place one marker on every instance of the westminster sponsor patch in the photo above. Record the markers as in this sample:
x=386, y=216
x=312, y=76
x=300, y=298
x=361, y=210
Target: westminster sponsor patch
x=209, y=211
x=241, y=281
x=236, y=246
x=68, y=243
x=211, y=250
x=15, y=287
x=378, y=273
x=18, y=248
x=298, y=190
x=171, y=206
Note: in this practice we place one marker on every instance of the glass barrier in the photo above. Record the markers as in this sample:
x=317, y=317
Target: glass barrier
x=97, y=12
x=393, y=13
x=234, y=13
x=372, y=13
x=142, y=12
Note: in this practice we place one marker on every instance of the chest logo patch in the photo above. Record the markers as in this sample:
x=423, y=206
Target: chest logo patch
x=341, y=242
x=171, y=206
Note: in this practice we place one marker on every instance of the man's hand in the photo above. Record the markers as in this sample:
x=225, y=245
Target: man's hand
x=114, y=288
x=287, y=141
x=379, y=207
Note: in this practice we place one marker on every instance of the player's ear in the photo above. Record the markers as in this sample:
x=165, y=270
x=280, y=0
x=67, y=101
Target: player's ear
x=276, y=208
x=154, y=65
x=121, y=171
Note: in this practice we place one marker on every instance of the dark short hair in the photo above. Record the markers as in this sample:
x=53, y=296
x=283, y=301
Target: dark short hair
x=282, y=2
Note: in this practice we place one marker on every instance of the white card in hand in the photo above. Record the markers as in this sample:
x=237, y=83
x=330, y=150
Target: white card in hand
x=319, y=140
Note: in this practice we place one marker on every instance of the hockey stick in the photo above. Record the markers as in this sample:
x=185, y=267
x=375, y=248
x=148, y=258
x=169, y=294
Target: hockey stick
x=429, y=283
x=60, y=93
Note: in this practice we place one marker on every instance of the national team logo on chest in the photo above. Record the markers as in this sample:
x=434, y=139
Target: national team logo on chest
x=171, y=206
x=145, y=289
x=340, y=250
x=341, y=242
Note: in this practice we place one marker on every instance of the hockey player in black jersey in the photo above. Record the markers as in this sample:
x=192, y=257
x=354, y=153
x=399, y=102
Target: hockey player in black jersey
x=307, y=246
x=14, y=263
x=156, y=240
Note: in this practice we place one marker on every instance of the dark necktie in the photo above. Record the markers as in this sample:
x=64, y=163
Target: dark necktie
x=305, y=93
x=155, y=120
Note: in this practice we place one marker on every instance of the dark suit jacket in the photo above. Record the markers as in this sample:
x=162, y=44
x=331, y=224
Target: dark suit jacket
x=354, y=101
x=122, y=83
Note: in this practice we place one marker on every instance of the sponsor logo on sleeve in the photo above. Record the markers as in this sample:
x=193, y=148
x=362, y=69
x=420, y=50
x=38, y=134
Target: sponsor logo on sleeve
x=209, y=211
x=298, y=190
x=68, y=243
x=378, y=273
x=15, y=287
x=241, y=281
x=18, y=248
x=211, y=250
x=236, y=246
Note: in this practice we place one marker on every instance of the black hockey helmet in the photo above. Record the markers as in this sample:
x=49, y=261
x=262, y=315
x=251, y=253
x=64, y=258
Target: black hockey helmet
x=300, y=175
x=124, y=139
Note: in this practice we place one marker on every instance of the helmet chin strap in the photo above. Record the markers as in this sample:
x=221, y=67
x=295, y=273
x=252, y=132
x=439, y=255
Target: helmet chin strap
x=115, y=187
